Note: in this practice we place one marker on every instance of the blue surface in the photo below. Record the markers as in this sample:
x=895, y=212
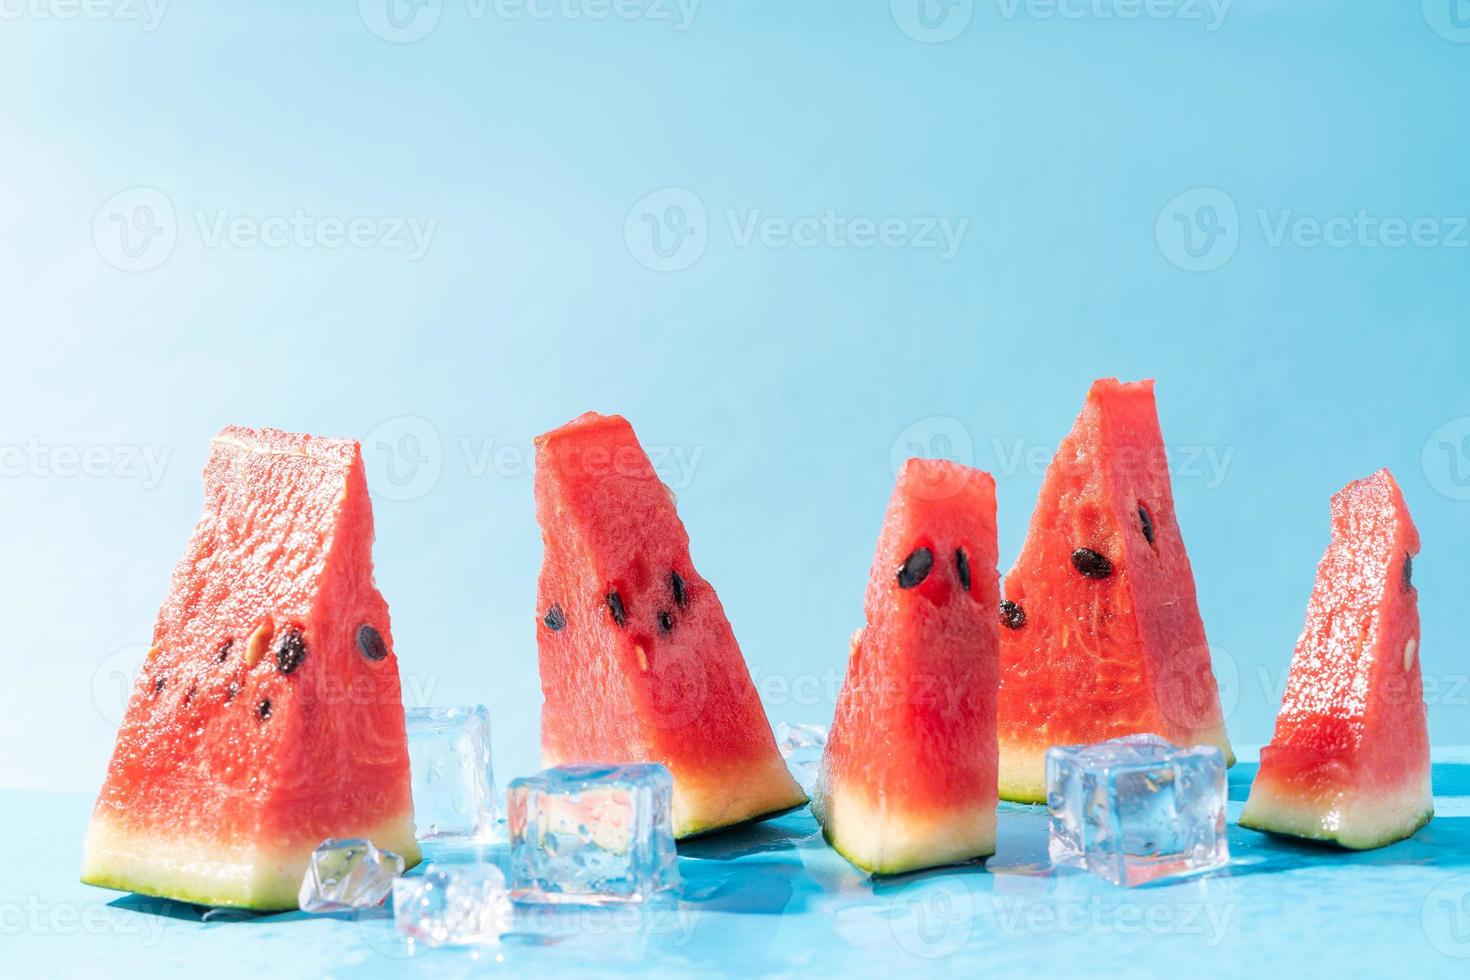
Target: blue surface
x=774, y=899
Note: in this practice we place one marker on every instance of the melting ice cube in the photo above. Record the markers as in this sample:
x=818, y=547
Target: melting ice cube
x=1137, y=809
x=592, y=834
x=348, y=874
x=454, y=796
x=453, y=905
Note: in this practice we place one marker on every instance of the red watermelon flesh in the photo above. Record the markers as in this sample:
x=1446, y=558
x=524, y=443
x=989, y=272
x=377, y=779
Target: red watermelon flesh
x=638, y=662
x=1349, y=761
x=1103, y=636
x=267, y=716
x=908, y=779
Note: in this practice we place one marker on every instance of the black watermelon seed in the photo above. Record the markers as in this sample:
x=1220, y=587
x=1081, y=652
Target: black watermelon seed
x=189, y=695
x=264, y=708
x=915, y=568
x=370, y=642
x=555, y=619
x=234, y=689
x=1147, y=522
x=224, y=651
x=615, y=606
x=291, y=651
x=1408, y=572
x=1012, y=616
x=157, y=684
x=681, y=598
x=962, y=565
x=665, y=621
x=1091, y=564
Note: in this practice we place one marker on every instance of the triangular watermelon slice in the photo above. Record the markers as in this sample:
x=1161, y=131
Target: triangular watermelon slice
x=638, y=662
x=1102, y=633
x=267, y=716
x=908, y=779
x=1349, y=761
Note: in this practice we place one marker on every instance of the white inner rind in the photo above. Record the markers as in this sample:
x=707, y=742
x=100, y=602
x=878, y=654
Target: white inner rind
x=207, y=872
x=1023, y=766
x=1358, y=820
x=733, y=795
x=893, y=840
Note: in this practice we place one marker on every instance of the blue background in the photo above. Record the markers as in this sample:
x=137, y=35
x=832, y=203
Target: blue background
x=789, y=376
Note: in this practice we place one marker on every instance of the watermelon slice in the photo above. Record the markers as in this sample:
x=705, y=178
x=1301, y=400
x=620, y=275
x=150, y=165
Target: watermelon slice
x=1349, y=761
x=908, y=779
x=1102, y=633
x=638, y=662
x=267, y=716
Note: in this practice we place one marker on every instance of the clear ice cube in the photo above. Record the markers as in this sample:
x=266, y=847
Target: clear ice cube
x=348, y=874
x=453, y=905
x=801, y=746
x=1137, y=809
x=454, y=796
x=592, y=834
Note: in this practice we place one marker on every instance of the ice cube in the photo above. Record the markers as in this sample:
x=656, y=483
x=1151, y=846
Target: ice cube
x=348, y=874
x=453, y=905
x=592, y=834
x=454, y=796
x=1137, y=809
x=801, y=746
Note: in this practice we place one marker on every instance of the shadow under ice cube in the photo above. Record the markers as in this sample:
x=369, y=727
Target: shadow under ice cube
x=454, y=796
x=1137, y=809
x=592, y=834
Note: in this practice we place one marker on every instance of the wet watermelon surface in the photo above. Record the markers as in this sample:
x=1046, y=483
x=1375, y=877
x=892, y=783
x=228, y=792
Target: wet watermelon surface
x=1103, y=633
x=1352, y=725
x=638, y=661
x=915, y=721
x=269, y=707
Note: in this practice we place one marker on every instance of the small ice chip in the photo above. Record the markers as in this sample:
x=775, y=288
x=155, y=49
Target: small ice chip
x=592, y=834
x=348, y=874
x=453, y=905
x=1137, y=809
x=454, y=797
x=802, y=746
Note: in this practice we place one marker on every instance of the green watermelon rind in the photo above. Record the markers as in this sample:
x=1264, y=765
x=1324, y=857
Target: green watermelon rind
x=1299, y=831
x=1017, y=792
x=144, y=864
x=699, y=833
x=178, y=890
x=893, y=871
x=820, y=811
x=1348, y=845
